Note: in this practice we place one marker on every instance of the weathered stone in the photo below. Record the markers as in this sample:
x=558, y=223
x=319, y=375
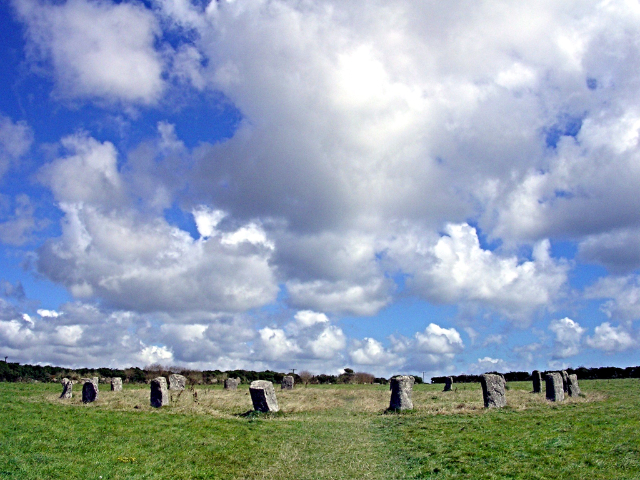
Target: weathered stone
x=263, y=396
x=159, y=392
x=448, y=381
x=231, y=384
x=565, y=381
x=67, y=388
x=574, y=389
x=401, y=390
x=116, y=384
x=177, y=382
x=85, y=380
x=287, y=382
x=90, y=390
x=95, y=380
x=493, y=391
x=537, y=380
x=553, y=381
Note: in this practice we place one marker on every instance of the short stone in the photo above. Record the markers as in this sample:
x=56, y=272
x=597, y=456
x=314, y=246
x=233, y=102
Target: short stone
x=90, y=391
x=177, y=382
x=493, y=391
x=263, y=396
x=401, y=390
x=574, y=389
x=116, y=384
x=565, y=381
x=231, y=384
x=536, y=377
x=287, y=382
x=159, y=392
x=448, y=381
x=555, y=392
x=67, y=388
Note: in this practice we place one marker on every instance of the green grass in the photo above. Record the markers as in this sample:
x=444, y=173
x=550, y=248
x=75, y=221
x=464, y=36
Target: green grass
x=323, y=432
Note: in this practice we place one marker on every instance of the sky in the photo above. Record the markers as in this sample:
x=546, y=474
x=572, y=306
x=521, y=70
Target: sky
x=394, y=187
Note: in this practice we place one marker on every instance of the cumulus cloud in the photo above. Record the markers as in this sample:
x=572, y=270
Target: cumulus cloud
x=489, y=364
x=568, y=337
x=623, y=294
x=97, y=49
x=370, y=352
x=617, y=250
x=457, y=269
x=611, y=339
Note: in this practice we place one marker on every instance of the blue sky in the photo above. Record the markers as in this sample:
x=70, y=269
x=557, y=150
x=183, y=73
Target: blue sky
x=392, y=187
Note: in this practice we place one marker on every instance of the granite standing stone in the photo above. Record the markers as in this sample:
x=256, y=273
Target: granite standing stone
x=553, y=381
x=287, y=382
x=493, y=391
x=177, y=382
x=574, y=389
x=401, y=390
x=263, y=396
x=537, y=381
x=565, y=381
x=67, y=388
x=231, y=384
x=448, y=381
x=159, y=392
x=116, y=384
x=90, y=391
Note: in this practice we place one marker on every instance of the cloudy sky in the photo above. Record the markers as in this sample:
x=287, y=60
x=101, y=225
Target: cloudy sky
x=394, y=187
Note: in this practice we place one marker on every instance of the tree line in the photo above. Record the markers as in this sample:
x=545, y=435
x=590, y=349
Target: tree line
x=583, y=373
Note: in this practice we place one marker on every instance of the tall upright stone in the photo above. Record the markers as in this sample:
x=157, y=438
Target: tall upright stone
x=231, y=383
x=565, y=381
x=116, y=384
x=90, y=390
x=263, y=396
x=555, y=392
x=493, y=391
x=287, y=382
x=401, y=390
x=159, y=392
x=177, y=382
x=448, y=381
x=536, y=377
x=67, y=388
x=574, y=389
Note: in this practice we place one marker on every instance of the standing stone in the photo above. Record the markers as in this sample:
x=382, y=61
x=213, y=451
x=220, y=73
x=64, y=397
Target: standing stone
x=67, y=388
x=555, y=393
x=263, y=396
x=116, y=384
x=565, y=381
x=401, y=390
x=177, y=382
x=574, y=389
x=493, y=390
x=448, y=381
x=287, y=382
x=159, y=392
x=90, y=391
x=231, y=383
x=537, y=380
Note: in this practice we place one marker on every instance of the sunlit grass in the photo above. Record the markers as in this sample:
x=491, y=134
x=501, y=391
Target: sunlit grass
x=329, y=431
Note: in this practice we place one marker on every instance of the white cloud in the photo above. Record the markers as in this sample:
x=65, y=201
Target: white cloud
x=438, y=340
x=15, y=142
x=307, y=318
x=623, y=294
x=457, y=269
x=568, y=337
x=370, y=351
x=488, y=364
x=97, y=49
x=155, y=354
x=275, y=345
x=328, y=343
x=611, y=339
x=22, y=223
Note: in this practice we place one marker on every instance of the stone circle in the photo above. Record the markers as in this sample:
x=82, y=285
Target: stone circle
x=574, y=389
x=448, y=381
x=177, y=382
x=555, y=392
x=116, y=384
x=536, y=377
x=231, y=383
x=90, y=391
x=401, y=390
x=67, y=388
x=159, y=392
x=287, y=382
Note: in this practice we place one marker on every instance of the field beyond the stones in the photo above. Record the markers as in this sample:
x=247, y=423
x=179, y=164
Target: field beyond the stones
x=333, y=432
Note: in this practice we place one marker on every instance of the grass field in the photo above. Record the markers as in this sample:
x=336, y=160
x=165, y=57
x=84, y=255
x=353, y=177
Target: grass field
x=333, y=432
